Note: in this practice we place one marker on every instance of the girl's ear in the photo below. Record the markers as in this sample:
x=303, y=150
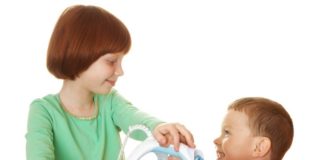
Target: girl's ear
x=262, y=147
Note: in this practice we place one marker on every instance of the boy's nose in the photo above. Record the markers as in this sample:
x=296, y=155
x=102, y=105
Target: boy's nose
x=217, y=141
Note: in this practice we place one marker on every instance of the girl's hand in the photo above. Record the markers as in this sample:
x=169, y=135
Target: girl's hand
x=173, y=133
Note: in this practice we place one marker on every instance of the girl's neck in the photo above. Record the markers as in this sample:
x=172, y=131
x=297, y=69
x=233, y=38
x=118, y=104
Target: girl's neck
x=74, y=96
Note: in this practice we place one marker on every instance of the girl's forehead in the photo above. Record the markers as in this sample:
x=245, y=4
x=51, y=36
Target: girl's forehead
x=119, y=54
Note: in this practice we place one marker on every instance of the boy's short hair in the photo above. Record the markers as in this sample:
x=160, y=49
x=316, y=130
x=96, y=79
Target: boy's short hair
x=83, y=34
x=269, y=119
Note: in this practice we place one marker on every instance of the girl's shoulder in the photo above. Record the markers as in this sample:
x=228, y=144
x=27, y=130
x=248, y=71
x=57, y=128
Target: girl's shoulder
x=113, y=98
x=48, y=102
x=50, y=98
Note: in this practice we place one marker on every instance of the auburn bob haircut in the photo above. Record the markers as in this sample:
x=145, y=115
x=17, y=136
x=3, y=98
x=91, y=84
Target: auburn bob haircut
x=81, y=35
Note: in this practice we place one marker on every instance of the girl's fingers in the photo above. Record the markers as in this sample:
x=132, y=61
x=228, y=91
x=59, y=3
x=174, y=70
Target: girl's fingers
x=161, y=138
x=175, y=137
x=185, y=136
x=174, y=133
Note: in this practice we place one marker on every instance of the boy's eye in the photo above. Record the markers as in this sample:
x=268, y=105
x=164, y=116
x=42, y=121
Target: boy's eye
x=226, y=132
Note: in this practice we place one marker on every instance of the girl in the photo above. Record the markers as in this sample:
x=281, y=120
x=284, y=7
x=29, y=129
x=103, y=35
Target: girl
x=83, y=120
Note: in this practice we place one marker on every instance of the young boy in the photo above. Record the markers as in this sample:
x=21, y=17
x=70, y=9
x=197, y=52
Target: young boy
x=255, y=128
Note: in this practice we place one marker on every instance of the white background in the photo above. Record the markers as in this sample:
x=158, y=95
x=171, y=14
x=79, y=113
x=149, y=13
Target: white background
x=189, y=60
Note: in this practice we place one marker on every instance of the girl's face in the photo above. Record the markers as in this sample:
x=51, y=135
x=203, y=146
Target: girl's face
x=235, y=141
x=102, y=74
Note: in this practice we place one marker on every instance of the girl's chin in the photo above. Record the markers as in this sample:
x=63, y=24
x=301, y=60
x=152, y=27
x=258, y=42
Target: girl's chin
x=104, y=91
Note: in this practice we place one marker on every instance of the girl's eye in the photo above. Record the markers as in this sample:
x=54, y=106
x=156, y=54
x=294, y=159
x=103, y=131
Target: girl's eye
x=110, y=61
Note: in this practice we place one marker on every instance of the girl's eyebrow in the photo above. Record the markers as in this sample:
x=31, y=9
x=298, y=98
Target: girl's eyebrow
x=111, y=56
x=114, y=55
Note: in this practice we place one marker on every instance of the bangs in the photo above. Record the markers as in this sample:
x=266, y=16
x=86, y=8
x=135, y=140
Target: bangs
x=101, y=33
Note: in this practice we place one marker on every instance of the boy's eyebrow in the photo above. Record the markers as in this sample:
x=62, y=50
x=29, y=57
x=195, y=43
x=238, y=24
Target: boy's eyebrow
x=226, y=126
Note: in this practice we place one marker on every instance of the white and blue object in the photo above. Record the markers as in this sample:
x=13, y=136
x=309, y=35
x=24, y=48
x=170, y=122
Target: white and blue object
x=150, y=145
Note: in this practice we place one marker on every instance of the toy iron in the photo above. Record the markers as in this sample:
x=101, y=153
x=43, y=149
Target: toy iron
x=150, y=145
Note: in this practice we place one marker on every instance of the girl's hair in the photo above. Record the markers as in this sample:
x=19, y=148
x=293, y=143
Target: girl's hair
x=83, y=34
x=269, y=119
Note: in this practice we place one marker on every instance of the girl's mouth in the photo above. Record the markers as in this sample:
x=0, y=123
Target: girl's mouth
x=112, y=83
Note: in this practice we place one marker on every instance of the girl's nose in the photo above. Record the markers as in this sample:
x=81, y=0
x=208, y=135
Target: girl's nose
x=119, y=70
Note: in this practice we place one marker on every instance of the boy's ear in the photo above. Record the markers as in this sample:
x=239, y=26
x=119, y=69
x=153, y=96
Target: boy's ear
x=262, y=147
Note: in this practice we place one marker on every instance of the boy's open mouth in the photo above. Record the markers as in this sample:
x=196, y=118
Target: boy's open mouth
x=220, y=155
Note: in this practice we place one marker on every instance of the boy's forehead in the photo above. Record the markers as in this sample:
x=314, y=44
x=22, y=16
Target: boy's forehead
x=235, y=118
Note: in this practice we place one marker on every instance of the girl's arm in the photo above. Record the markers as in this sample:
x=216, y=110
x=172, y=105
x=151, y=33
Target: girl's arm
x=39, y=134
x=124, y=114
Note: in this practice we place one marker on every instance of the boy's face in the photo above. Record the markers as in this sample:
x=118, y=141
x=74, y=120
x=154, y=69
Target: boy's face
x=236, y=139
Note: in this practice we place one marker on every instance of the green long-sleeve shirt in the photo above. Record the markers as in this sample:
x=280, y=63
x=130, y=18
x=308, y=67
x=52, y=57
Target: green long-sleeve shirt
x=55, y=134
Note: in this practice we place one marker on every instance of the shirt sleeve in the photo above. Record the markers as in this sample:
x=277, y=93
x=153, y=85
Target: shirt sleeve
x=124, y=115
x=39, y=135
